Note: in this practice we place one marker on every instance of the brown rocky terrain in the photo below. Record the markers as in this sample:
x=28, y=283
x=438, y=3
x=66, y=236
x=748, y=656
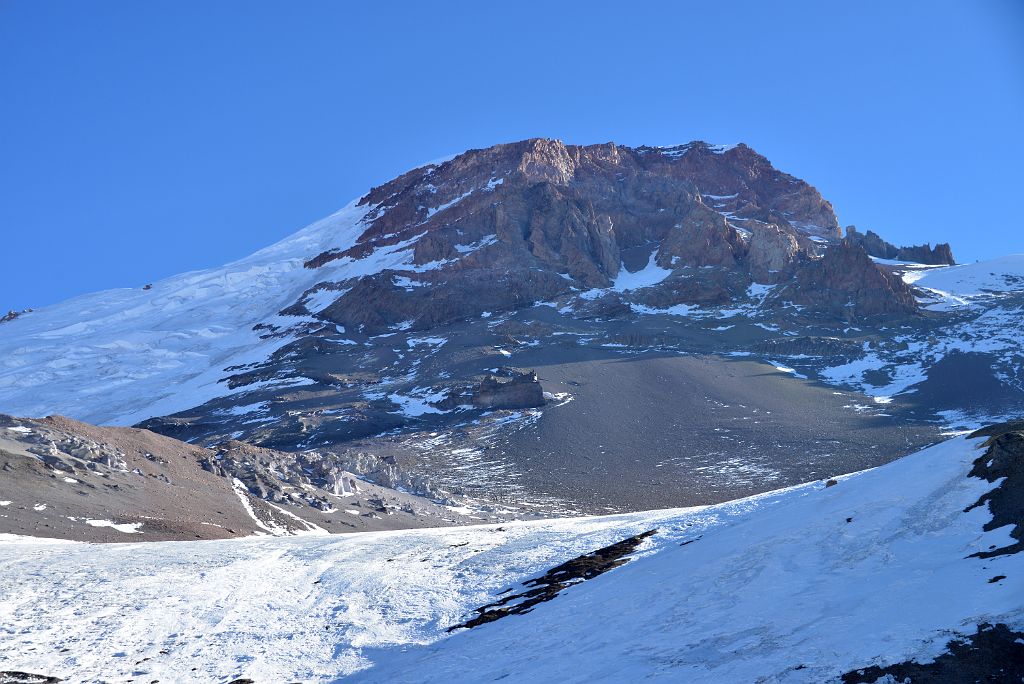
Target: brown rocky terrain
x=65, y=479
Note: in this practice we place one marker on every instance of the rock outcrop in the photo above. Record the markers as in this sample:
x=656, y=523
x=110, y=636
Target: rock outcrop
x=509, y=388
x=848, y=285
x=1002, y=462
x=940, y=254
x=11, y=315
x=504, y=227
x=873, y=244
x=772, y=253
x=703, y=238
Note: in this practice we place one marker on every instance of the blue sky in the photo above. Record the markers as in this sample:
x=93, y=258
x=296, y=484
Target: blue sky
x=146, y=139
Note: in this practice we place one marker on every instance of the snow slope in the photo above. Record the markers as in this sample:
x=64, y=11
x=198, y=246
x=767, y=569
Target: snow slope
x=794, y=586
x=120, y=356
x=962, y=284
x=984, y=302
x=1004, y=274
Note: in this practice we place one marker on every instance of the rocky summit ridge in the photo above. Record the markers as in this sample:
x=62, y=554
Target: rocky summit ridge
x=514, y=224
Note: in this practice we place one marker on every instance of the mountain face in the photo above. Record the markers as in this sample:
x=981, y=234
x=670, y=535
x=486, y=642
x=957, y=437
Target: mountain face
x=911, y=570
x=748, y=344
x=502, y=228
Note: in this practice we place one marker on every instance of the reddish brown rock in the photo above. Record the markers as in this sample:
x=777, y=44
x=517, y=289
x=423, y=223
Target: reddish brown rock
x=702, y=238
x=847, y=284
x=504, y=227
x=771, y=254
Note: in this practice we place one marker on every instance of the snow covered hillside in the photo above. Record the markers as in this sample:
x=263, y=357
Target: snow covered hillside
x=961, y=284
x=800, y=585
x=119, y=356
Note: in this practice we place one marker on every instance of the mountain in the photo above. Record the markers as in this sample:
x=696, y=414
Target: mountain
x=469, y=320
x=910, y=571
x=586, y=411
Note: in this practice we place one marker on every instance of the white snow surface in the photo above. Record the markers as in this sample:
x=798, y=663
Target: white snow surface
x=120, y=356
x=127, y=528
x=957, y=286
x=1005, y=274
x=768, y=583
x=649, y=275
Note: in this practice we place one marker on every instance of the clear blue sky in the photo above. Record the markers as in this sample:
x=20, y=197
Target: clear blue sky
x=142, y=139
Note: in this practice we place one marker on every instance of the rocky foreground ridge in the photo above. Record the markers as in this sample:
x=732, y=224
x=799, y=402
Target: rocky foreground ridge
x=60, y=478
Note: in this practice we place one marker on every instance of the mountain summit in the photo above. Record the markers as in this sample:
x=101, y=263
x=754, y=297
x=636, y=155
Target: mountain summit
x=510, y=225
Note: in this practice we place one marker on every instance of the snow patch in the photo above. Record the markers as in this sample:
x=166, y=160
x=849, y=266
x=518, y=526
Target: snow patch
x=649, y=275
x=127, y=528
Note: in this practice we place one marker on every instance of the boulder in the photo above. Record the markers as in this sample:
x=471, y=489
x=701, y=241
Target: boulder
x=509, y=388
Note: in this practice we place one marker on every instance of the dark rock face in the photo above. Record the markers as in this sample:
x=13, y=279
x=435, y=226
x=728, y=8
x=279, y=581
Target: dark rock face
x=832, y=347
x=873, y=244
x=14, y=677
x=700, y=287
x=11, y=315
x=510, y=389
x=994, y=654
x=554, y=581
x=845, y=283
x=940, y=254
x=1003, y=460
x=377, y=303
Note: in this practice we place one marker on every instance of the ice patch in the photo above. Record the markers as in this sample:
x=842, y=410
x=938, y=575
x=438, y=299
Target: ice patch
x=902, y=376
x=677, y=310
x=436, y=342
x=786, y=369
